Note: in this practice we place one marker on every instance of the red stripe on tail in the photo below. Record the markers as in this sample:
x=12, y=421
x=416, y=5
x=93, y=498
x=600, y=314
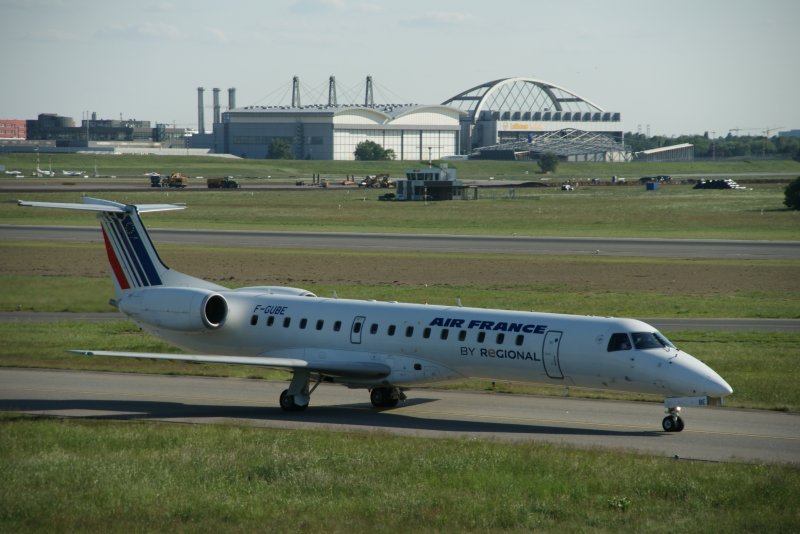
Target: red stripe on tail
x=115, y=266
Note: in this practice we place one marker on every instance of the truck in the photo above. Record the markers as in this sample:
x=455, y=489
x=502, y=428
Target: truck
x=377, y=180
x=176, y=180
x=226, y=182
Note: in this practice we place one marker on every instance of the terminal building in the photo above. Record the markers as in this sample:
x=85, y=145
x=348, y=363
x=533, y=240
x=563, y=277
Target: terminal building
x=524, y=117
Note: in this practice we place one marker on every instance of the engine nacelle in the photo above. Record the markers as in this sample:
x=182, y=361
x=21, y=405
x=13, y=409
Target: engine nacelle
x=176, y=308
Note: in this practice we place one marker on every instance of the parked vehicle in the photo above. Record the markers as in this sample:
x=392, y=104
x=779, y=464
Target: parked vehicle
x=222, y=183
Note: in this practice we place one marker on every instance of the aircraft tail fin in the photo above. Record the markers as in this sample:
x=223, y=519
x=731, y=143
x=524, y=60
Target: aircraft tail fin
x=134, y=261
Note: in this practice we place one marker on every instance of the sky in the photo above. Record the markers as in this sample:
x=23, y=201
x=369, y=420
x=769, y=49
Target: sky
x=670, y=68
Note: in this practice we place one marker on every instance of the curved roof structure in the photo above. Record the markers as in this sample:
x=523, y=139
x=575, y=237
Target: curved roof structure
x=519, y=95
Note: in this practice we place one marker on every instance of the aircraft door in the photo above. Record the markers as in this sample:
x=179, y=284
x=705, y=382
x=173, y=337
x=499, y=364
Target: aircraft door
x=355, y=330
x=552, y=340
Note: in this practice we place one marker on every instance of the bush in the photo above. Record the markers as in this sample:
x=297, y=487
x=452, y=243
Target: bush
x=279, y=149
x=371, y=151
x=548, y=162
x=792, y=193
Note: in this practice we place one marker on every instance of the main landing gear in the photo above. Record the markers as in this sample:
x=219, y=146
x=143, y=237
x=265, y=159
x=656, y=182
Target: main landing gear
x=297, y=397
x=386, y=397
x=672, y=422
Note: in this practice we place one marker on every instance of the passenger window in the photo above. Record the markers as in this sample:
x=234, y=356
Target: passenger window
x=462, y=335
x=303, y=323
x=270, y=320
x=426, y=333
x=444, y=334
x=254, y=320
x=373, y=329
x=287, y=321
x=481, y=336
x=320, y=324
x=409, y=331
x=520, y=340
x=391, y=329
x=356, y=327
x=337, y=326
x=500, y=338
x=619, y=341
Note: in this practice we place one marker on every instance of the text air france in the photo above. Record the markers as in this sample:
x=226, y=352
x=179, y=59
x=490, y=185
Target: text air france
x=495, y=326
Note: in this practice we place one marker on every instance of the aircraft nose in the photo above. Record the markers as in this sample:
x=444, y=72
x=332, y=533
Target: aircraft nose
x=718, y=387
x=690, y=377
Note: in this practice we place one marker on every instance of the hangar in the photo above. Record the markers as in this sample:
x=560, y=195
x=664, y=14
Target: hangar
x=331, y=132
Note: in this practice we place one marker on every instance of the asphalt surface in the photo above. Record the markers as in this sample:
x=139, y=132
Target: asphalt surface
x=711, y=434
x=654, y=248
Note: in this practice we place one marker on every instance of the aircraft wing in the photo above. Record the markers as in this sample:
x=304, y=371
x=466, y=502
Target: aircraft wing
x=335, y=369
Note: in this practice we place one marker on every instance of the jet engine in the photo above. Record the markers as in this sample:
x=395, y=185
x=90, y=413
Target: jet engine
x=176, y=308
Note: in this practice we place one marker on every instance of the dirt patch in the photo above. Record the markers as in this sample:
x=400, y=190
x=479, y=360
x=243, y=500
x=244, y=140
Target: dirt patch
x=278, y=267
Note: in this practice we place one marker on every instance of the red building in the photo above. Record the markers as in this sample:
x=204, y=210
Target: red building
x=12, y=129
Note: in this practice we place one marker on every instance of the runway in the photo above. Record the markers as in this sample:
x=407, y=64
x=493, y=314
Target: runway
x=711, y=434
x=654, y=248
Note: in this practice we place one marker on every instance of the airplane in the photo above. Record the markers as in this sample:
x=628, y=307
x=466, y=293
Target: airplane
x=14, y=173
x=40, y=172
x=384, y=347
x=73, y=173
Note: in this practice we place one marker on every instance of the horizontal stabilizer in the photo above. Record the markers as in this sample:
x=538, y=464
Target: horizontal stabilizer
x=74, y=206
x=335, y=369
x=100, y=205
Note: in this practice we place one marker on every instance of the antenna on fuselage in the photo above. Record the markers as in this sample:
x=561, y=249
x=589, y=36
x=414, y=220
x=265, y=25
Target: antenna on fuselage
x=458, y=302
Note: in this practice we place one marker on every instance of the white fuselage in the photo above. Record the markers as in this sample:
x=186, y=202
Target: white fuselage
x=423, y=343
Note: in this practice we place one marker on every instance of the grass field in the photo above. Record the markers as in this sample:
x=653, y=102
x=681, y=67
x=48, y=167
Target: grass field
x=107, y=477
x=671, y=212
x=41, y=276
x=290, y=170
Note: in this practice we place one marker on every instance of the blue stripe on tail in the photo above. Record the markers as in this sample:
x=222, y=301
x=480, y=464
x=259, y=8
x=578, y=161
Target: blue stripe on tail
x=141, y=251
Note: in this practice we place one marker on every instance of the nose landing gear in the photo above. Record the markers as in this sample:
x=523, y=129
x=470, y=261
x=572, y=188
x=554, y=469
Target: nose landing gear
x=672, y=422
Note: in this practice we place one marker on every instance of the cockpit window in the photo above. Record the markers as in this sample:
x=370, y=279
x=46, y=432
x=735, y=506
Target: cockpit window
x=650, y=340
x=619, y=341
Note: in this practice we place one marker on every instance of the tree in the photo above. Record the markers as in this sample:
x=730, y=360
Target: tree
x=372, y=151
x=548, y=162
x=792, y=193
x=279, y=149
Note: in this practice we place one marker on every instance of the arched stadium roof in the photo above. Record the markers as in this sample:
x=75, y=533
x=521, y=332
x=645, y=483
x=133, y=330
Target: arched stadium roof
x=519, y=95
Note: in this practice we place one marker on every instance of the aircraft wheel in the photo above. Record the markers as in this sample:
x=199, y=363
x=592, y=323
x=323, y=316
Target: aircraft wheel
x=383, y=398
x=378, y=397
x=287, y=401
x=678, y=424
x=669, y=424
x=288, y=404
